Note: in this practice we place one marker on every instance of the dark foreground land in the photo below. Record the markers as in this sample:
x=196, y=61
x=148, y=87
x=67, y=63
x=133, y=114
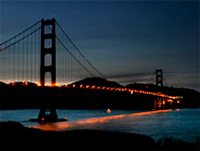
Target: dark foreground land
x=16, y=137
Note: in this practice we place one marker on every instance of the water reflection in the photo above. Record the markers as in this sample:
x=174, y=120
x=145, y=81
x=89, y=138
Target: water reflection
x=106, y=123
x=181, y=124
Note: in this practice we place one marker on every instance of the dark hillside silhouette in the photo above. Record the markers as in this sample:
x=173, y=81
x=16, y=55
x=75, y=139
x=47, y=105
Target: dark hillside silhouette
x=76, y=96
x=98, y=82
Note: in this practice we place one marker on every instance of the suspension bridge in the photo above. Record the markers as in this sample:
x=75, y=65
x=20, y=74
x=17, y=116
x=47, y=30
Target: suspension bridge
x=44, y=55
x=41, y=53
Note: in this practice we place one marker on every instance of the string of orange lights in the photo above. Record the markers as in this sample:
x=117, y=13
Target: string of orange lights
x=94, y=87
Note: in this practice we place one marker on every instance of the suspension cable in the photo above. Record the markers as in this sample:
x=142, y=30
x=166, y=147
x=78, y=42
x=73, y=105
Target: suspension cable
x=21, y=32
x=2, y=49
x=74, y=56
x=76, y=48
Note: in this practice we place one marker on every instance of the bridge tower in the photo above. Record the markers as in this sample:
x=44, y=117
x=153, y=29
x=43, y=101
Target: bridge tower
x=159, y=77
x=48, y=46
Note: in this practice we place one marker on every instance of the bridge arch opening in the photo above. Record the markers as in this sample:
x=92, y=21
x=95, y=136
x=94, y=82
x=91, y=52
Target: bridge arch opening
x=48, y=43
x=47, y=78
x=48, y=29
x=48, y=60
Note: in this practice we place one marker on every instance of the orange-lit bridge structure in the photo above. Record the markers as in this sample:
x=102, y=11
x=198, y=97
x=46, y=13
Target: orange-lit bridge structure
x=43, y=55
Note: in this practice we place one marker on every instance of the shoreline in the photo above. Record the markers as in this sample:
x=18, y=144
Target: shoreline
x=14, y=136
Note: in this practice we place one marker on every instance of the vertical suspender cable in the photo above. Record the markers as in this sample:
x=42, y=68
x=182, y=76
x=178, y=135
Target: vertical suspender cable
x=22, y=59
x=31, y=57
x=34, y=50
x=36, y=63
x=19, y=76
x=9, y=64
x=14, y=70
x=17, y=57
x=8, y=57
x=25, y=59
x=63, y=65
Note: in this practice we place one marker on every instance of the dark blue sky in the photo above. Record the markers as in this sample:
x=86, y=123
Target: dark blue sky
x=125, y=40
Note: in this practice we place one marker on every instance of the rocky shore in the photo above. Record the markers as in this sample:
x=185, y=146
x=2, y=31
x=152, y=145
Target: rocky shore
x=14, y=136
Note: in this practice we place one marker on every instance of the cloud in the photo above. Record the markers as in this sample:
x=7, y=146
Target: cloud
x=127, y=78
x=128, y=75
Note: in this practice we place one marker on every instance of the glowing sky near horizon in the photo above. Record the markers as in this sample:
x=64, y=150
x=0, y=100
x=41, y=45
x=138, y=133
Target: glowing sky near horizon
x=125, y=40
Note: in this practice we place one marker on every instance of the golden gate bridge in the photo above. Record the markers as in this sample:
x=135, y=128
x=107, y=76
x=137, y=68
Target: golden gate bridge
x=45, y=55
x=42, y=51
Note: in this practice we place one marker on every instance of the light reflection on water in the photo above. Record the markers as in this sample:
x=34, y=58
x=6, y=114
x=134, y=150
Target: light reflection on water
x=94, y=123
x=24, y=115
x=182, y=124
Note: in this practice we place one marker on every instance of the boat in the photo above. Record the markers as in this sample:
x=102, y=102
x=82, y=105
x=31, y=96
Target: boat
x=108, y=111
